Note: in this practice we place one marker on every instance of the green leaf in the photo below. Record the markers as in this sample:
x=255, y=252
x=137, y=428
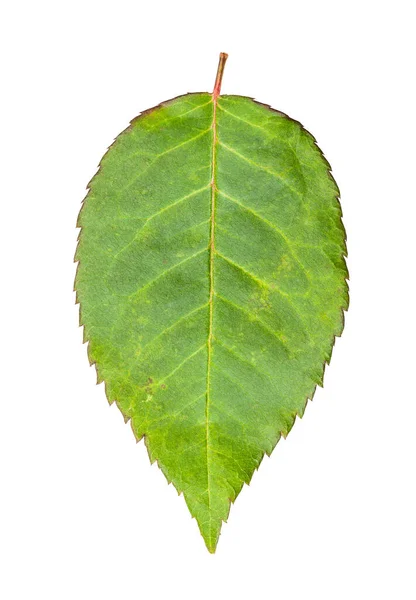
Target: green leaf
x=211, y=280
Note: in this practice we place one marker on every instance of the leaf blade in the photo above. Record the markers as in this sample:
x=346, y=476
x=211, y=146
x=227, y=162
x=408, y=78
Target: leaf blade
x=227, y=260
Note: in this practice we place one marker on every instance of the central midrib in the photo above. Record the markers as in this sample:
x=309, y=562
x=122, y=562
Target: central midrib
x=211, y=283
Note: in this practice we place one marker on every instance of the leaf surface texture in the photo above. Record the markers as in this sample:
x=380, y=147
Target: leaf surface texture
x=211, y=280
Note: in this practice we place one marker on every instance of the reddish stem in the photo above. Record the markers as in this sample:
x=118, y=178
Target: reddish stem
x=220, y=71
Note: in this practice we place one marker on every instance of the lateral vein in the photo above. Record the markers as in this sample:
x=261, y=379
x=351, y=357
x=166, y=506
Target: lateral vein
x=271, y=172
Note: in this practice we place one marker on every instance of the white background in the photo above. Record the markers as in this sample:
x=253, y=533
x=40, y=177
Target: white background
x=331, y=515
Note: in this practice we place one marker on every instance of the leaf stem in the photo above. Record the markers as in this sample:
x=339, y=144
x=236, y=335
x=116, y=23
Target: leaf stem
x=220, y=71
